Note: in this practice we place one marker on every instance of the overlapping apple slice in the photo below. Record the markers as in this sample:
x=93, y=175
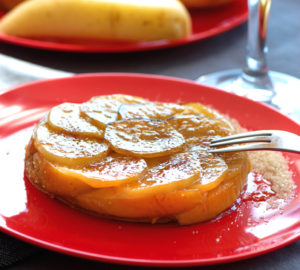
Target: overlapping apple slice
x=198, y=125
x=173, y=186
x=66, y=117
x=153, y=110
x=235, y=162
x=143, y=138
x=198, y=143
x=214, y=171
x=112, y=170
x=68, y=150
x=211, y=113
x=196, y=170
x=102, y=110
x=176, y=172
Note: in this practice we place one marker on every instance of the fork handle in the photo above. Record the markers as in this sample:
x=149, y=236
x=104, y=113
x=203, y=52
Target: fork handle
x=253, y=147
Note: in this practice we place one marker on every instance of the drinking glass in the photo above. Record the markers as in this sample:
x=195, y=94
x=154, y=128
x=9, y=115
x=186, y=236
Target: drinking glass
x=255, y=81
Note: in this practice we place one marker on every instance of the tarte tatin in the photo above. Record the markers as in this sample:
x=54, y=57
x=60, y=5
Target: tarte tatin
x=126, y=158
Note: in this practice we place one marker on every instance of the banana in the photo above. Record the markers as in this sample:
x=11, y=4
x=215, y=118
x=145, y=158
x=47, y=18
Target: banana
x=114, y=20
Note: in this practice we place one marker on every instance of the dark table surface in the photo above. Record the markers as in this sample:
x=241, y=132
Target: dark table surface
x=190, y=61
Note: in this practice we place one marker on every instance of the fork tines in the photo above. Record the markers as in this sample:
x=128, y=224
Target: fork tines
x=258, y=139
x=249, y=137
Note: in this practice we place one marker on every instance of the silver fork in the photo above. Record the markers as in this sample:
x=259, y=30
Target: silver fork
x=258, y=140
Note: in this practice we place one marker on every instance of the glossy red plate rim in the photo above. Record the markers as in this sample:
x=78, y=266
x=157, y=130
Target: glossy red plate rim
x=226, y=24
x=147, y=262
x=292, y=233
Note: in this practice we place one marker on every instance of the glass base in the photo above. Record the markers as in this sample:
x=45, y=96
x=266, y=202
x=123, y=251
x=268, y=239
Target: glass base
x=283, y=91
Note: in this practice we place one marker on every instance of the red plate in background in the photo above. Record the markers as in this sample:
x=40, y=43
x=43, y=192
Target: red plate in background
x=28, y=214
x=206, y=23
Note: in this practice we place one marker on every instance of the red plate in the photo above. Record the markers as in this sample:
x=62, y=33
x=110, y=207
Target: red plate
x=206, y=23
x=30, y=215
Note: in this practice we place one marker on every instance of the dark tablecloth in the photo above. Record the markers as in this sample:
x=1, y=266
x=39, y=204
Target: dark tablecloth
x=190, y=61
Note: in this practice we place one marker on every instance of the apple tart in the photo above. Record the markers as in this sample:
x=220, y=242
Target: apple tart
x=127, y=158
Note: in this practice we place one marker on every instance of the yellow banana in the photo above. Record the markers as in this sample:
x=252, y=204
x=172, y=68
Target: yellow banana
x=120, y=20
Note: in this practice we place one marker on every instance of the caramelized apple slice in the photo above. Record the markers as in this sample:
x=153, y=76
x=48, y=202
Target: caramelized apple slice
x=110, y=171
x=188, y=205
x=143, y=138
x=176, y=172
x=66, y=117
x=153, y=110
x=55, y=182
x=203, y=109
x=68, y=150
x=102, y=110
x=214, y=171
x=214, y=167
x=198, y=143
x=167, y=189
x=43, y=174
x=198, y=125
x=234, y=162
x=217, y=200
x=210, y=113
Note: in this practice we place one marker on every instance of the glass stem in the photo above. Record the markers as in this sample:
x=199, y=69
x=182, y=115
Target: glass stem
x=256, y=69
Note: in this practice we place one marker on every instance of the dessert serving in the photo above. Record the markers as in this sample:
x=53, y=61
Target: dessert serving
x=127, y=158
